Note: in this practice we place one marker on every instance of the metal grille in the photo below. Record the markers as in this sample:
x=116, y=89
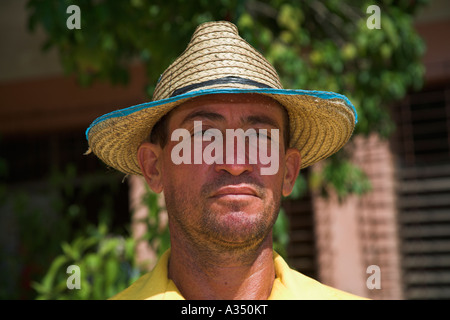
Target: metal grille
x=31, y=161
x=302, y=253
x=422, y=145
x=34, y=157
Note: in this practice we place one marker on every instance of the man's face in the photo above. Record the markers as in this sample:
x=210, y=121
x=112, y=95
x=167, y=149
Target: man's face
x=225, y=203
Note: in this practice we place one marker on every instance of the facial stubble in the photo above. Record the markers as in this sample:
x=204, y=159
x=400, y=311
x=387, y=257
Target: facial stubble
x=231, y=230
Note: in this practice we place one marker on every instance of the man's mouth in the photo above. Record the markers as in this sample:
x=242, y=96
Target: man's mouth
x=235, y=191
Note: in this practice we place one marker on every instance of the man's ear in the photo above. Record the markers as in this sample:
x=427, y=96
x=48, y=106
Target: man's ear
x=149, y=158
x=293, y=162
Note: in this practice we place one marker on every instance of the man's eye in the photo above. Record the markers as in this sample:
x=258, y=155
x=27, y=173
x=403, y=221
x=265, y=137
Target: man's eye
x=268, y=136
x=262, y=133
x=201, y=133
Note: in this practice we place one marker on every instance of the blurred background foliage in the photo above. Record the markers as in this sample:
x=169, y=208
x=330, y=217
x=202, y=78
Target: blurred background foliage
x=316, y=45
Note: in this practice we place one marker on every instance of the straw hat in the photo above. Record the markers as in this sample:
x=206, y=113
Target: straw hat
x=218, y=60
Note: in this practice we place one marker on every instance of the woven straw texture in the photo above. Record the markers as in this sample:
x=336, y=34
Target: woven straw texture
x=320, y=122
x=216, y=51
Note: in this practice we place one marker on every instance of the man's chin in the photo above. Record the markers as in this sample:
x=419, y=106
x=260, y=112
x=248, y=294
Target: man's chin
x=237, y=228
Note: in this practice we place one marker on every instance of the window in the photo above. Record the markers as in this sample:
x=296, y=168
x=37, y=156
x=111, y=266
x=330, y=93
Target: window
x=422, y=146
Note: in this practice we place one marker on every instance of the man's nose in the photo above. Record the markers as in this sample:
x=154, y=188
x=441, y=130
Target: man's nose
x=235, y=162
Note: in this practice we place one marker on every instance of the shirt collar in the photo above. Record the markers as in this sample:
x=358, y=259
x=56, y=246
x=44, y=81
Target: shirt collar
x=280, y=288
x=157, y=285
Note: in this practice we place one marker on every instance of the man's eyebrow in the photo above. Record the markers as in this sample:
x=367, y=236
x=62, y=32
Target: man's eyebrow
x=253, y=119
x=203, y=114
x=261, y=119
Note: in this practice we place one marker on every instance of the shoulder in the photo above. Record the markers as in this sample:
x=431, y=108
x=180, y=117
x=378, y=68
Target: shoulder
x=291, y=284
x=305, y=287
x=152, y=285
x=136, y=291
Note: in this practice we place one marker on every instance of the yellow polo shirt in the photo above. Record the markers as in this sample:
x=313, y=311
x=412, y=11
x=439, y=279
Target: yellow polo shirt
x=288, y=285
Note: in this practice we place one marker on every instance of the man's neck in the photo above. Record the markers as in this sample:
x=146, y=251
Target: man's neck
x=202, y=274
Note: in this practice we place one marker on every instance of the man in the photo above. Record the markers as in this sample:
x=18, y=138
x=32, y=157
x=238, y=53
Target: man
x=224, y=142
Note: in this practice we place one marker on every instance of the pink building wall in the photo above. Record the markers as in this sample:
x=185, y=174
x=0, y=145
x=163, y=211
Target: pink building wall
x=361, y=231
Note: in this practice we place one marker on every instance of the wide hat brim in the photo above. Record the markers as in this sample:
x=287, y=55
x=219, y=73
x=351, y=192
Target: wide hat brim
x=320, y=122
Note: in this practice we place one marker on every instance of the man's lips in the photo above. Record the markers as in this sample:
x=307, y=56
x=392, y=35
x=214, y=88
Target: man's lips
x=235, y=191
